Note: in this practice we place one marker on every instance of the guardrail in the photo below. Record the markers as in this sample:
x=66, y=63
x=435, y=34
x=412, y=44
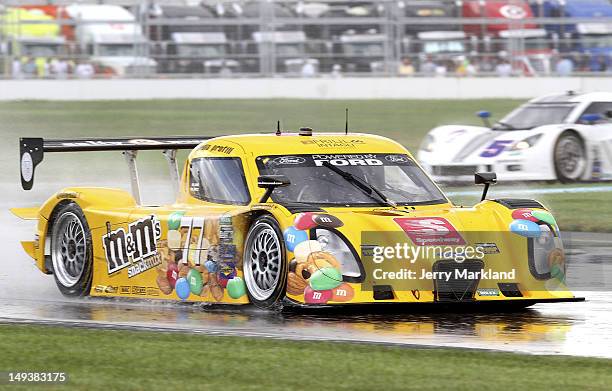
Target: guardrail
x=297, y=88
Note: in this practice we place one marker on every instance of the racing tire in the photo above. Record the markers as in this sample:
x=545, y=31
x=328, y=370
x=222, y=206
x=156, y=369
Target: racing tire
x=71, y=251
x=265, y=264
x=569, y=157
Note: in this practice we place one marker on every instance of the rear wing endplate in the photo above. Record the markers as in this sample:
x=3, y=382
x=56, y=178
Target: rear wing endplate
x=32, y=150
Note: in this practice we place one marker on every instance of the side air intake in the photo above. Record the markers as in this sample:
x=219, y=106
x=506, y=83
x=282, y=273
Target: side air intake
x=518, y=203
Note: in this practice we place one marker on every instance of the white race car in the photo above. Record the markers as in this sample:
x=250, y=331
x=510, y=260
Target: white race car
x=565, y=137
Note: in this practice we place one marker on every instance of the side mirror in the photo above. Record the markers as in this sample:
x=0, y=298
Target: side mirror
x=591, y=118
x=487, y=179
x=485, y=115
x=483, y=178
x=271, y=182
x=608, y=114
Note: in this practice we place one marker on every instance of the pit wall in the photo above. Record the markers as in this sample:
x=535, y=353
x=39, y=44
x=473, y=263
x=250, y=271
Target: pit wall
x=317, y=88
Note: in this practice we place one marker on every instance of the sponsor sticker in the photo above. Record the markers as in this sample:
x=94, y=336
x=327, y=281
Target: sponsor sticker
x=290, y=160
x=430, y=231
x=487, y=292
x=27, y=167
x=218, y=148
x=488, y=248
x=512, y=11
x=334, y=143
x=135, y=248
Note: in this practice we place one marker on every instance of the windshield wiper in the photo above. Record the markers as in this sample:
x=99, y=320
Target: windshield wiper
x=360, y=184
x=505, y=125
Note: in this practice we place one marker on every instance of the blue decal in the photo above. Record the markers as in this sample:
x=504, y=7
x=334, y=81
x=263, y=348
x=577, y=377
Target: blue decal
x=526, y=228
x=496, y=148
x=293, y=237
x=182, y=288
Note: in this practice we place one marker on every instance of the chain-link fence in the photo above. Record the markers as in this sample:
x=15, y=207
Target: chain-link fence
x=290, y=38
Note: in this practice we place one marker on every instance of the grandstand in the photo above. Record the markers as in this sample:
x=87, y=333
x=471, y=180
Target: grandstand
x=214, y=38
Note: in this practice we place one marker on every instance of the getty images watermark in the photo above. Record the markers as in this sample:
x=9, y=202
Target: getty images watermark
x=403, y=252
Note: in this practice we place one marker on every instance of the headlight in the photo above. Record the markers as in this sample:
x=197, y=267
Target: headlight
x=547, y=256
x=428, y=143
x=526, y=143
x=335, y=245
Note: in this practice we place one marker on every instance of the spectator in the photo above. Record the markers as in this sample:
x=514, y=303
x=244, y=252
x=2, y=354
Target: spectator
x=465, y=67
x=442, y=69
x=336, y=71
x=581, y=62
x=225, y=70
x=503, y=68
x=16, y=69
x=84, y=70
x=428, y=67
x=308, y=69
x=600, y=65
x=42, y=67
x=29, y=67
x=486, y=65
x=470, y=67
x=565, y=67
x=406, y=68
x=59, y=68
x=460, y=69
x=63, y=69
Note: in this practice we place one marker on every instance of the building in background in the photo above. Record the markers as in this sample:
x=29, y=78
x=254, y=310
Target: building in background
x=110, y=37
x=187, y=41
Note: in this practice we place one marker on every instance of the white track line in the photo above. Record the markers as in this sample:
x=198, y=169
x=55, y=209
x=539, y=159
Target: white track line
x=556, y=190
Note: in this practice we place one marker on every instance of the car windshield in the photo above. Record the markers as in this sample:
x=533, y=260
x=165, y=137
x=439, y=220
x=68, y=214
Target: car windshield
x=534, y=115
x=396, y=176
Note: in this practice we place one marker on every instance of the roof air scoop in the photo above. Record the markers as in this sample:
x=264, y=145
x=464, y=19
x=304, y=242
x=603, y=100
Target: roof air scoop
x=305, y=132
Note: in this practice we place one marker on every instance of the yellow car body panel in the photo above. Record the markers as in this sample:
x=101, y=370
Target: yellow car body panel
x=190, y=228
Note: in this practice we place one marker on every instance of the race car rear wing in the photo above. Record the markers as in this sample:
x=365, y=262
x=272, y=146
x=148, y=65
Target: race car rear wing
x=31, y=153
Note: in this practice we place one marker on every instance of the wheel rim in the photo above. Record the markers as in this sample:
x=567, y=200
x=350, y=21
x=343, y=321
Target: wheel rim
x=570, y=157
x=262, y=263
x=69, y=250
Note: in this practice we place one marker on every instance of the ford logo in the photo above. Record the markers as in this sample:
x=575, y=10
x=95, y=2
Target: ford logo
x=289, y=160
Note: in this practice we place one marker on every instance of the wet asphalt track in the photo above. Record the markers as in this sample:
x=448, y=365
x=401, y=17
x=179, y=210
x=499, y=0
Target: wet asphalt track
x=584, y=328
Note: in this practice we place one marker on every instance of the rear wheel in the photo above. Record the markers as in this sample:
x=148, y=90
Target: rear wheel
x=265, y=267
x=569, y=157
x=71, y=251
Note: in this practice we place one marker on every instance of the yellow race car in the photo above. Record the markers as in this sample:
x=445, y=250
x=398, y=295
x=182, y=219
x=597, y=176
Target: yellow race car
x=291, y=218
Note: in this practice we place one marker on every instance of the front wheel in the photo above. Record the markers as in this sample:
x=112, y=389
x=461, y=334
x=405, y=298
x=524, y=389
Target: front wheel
x=71, y=251
x=569, y=157
x=264, y=266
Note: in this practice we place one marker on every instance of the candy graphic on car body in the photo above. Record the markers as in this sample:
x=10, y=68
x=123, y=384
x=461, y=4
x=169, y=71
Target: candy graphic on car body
x=182, y=288
x=326, y=220
x=312, y=296
x=293, y=237
x=526, y=228
x=304, y=221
